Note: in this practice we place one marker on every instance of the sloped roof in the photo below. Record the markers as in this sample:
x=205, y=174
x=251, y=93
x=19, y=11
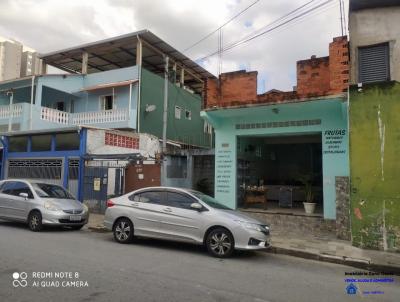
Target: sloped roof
x=120, y=52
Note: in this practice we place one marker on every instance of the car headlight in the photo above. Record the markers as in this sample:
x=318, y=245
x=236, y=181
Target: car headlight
x=48, y=205
x=85, y=207
x=253, y=226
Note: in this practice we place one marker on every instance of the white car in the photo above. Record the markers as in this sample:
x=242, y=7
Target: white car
x=184, y=215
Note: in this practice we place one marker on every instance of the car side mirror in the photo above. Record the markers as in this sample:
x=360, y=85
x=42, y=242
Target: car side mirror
x=24, y=195
x=196, y=206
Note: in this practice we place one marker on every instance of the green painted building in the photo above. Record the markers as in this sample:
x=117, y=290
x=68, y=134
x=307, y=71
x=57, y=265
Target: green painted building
x=375, y=124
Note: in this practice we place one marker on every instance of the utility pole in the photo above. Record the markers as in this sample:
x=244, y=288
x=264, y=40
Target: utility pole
x=165, y=112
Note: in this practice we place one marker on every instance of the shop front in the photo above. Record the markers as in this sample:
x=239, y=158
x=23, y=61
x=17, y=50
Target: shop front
x=278, y=158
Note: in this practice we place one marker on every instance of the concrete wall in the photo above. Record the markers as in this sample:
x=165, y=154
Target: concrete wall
x=374, y=26
x=375, y=166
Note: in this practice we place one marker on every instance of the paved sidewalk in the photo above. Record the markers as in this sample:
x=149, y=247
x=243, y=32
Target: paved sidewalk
x=325, y=248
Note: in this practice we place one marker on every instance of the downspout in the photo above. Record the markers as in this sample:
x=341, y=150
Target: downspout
x=32, y=98
x=165, y=112
x=10, y=111
x=139, y=91
x=5, y=155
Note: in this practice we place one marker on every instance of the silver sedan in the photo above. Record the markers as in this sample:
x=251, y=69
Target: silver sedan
x=38, y=204
x=184, y=215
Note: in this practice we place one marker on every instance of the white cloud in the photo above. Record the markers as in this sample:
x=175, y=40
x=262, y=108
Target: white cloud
x=54, y=24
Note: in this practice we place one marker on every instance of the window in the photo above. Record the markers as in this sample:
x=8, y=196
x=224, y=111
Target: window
x=179, y=200
x=207, y=128
x=177, y=167
x=60, y=106
x=178, y=111
x=107, y=102
x=18, y=144
x=373, y=63
x=41, y=142
x=188, y=114
x=15, y=188
x=67, y=141
x=149, y=197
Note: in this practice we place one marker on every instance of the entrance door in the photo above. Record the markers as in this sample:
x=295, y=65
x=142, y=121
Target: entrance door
x=142, y=176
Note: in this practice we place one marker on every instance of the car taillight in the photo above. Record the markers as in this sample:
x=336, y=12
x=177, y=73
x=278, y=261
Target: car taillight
x=110, y=203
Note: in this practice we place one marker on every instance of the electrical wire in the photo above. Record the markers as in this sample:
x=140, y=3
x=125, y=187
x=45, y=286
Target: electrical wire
x=226, y=23
x=255, y=35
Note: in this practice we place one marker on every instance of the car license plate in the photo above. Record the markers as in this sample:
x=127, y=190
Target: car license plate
x=75, y=218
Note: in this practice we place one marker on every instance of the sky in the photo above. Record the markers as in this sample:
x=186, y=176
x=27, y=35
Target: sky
x=49, y=25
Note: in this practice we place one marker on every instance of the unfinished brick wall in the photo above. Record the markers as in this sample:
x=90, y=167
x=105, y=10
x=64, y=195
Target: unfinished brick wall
x=315, y=77
x=234, y=88
x=339, y=65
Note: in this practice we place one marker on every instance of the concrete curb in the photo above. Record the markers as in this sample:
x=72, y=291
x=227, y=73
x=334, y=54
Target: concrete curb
x=358, y=263
x=98, y=229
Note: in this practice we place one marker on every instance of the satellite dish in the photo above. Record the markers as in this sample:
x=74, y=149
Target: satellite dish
x=150, y=108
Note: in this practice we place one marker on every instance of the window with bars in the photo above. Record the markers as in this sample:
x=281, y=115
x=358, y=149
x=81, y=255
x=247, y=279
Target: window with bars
x=373, y=63
x=35, y=168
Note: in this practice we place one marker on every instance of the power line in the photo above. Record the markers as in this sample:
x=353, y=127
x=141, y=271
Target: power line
x=226, y=23
x=254, y=35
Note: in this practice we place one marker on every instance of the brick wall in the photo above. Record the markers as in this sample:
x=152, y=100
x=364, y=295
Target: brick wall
x=315, y=77
x=339, y=65
x=233, y=88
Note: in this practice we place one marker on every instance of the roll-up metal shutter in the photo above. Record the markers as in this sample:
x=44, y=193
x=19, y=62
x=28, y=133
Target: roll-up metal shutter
x=373, y=63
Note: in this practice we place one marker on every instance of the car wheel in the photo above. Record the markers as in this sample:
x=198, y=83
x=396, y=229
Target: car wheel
x=220, y=243
x=123, y=230
x=35, y=221
x=77, y=227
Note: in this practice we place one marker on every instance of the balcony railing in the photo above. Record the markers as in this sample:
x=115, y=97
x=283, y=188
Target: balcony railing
x=83, y=118
x=105, y=116
x=55, y=116
x=16, y=111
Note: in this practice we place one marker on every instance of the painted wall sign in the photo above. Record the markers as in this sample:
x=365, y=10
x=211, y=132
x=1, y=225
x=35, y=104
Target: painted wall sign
x=223, y=166
x=334, y=141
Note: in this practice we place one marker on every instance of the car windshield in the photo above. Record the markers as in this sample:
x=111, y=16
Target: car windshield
x=212, y=202
x=51, y=191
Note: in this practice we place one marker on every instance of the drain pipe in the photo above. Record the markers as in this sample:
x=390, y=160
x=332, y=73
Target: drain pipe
x=10, y=111
x=30, y=111
x=165, y=113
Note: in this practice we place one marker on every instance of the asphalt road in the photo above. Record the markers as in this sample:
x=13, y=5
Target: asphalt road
x=160, y=271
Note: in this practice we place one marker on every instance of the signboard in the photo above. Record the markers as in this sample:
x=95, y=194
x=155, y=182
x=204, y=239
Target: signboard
x=334, y=141
x=96, y=184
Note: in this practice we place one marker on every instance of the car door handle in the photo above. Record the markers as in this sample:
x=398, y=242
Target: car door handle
x=136, y=204
x=168, y=210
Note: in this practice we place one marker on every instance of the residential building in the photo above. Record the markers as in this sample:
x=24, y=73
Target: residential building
x=31, y=64
x=374, y=122
x=271, y=147
x=114, y=83
x=136, y=84
x=10, y=60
